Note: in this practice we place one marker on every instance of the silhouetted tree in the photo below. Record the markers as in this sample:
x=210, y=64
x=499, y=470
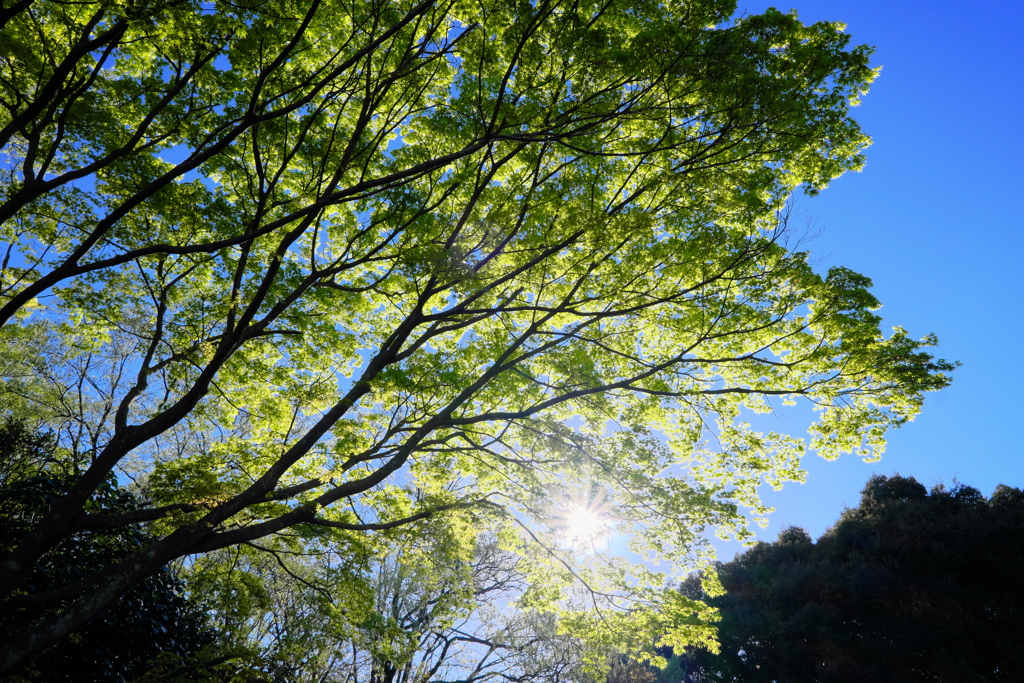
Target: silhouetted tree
x=909, y=586
x=154, y=629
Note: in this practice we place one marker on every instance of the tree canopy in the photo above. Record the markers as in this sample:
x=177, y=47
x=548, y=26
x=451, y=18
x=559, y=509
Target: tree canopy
x=909, y=586
x=354, y=266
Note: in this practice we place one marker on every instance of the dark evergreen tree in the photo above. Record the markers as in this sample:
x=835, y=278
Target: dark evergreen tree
x=154, y=629
x=910, y=586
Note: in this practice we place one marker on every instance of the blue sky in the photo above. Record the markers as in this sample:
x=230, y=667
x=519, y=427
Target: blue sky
x=936, y=219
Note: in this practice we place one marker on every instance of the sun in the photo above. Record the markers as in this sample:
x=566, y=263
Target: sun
x=583, y=517
x=583, y=523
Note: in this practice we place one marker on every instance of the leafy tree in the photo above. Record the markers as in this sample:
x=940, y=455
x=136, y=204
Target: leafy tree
x=910, y=586
x=427, y=609
x=356, y=265
x=153, y=625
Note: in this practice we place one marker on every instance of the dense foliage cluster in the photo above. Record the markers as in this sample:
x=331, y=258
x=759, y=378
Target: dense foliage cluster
x=909, y=586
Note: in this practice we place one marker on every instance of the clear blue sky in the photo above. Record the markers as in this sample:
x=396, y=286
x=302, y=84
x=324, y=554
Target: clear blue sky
x=936, y=219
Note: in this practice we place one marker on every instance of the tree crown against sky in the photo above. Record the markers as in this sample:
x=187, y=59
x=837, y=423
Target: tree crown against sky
x=350, y=266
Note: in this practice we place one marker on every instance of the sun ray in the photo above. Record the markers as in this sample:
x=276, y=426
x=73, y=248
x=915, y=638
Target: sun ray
x=582, y=518
x=583, y=523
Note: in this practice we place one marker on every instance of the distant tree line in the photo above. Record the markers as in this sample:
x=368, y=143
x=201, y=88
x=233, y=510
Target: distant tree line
x=910, y=586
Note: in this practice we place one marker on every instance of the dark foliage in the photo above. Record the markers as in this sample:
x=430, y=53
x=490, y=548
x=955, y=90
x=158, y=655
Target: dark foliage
x=155, y=621
x=909, y=586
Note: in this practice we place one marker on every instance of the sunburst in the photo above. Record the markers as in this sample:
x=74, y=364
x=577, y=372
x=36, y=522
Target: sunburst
x=583, y=517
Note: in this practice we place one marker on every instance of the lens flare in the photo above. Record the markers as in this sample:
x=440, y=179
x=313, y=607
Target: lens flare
x=582, y=523
x=583, y=517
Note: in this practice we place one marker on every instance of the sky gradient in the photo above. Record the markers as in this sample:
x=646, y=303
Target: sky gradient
x=935, y=220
